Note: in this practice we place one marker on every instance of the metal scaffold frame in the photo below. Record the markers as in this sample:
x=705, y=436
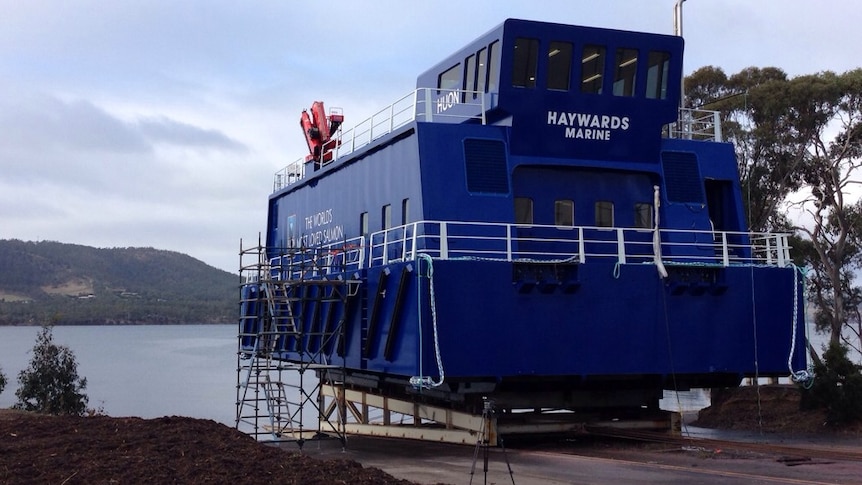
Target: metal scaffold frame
x=282, y=335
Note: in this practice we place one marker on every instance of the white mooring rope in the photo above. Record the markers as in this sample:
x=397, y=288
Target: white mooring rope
x=427, y=381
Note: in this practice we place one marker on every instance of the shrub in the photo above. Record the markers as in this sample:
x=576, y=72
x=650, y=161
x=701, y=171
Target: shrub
x=837, y=387
x=51, y=384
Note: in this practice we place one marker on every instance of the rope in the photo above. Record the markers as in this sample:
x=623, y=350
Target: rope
x=656, y=236
x=803, y=377
x=427, y=381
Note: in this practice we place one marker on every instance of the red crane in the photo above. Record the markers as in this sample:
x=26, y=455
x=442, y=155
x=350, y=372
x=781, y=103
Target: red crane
x=318, y=129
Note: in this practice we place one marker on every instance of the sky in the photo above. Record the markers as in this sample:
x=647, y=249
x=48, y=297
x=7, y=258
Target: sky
x=160, y=123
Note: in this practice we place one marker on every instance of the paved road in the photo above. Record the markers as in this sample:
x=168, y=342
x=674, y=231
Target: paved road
x=432, y=463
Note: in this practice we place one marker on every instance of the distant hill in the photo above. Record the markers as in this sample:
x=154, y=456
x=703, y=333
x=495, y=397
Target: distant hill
x=68, y=284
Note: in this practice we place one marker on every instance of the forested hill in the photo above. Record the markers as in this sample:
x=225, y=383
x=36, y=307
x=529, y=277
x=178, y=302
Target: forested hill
x=68, y=284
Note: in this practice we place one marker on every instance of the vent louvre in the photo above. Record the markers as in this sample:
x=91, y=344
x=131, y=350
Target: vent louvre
x=682, y=180
x=486, y=167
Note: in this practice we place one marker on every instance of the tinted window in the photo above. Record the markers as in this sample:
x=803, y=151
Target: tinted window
x=564, y=213
x=643, y=215
x=525, y=62
x=592, y=69
x=559, y=65
x=626, y=69
x=386, y=217
x=604, y=213
x=493, y=66
x=451, y=79
x=523, y=210
x=482, y=75
x=470, y=76
x=657, y=67
x=363, y=223
x=405, y=211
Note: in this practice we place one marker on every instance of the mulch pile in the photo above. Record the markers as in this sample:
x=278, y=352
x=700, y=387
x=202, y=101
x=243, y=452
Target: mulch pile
x=771, y=409
x=101, y=449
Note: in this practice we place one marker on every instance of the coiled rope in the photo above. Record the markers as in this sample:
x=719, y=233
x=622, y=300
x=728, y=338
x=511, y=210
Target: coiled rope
x=803, y=377
x=427, y=381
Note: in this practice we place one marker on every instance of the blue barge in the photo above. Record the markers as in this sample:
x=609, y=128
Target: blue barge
x=538, y=223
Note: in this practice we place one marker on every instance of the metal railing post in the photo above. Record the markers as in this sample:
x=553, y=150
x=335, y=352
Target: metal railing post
x=414, y=240
x=716, y=120
x=385, y=247
x=725, y=252
x=444, y=241
x=428, y=115
x=784, y=251
x=508, y=242
x=768, y=250
x=582, y=254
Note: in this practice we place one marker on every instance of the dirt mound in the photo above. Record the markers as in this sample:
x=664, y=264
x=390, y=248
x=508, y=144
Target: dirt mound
x=100, y=449
x=773, y=408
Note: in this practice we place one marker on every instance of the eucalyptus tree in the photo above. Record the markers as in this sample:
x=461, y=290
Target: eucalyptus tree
x=799, y=138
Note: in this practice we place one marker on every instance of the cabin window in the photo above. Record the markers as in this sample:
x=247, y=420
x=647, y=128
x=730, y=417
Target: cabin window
x=363, y=223
x=405, y=211
x=470, y=77
x=626, y=70
x=493, y=66
x=564, y=213
x=592, y=69
x=643, y=215
x=604, y=213
x=559, y=65
x=525, y=62
x=523, y=210
x=386, y=217
x=450, y=80
x=482, y=75
x=656, y=84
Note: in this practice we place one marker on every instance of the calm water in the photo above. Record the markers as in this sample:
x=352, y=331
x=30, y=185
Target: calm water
x=140, y=370
x=164, y=370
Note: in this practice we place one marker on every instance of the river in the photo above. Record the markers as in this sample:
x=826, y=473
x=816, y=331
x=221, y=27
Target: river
x=140, y=370
x=163, y=370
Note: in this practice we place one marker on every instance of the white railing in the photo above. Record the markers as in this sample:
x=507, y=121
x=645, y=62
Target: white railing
x=696, y=124
x=450, y=240
x=424, y=104
x=579, y=244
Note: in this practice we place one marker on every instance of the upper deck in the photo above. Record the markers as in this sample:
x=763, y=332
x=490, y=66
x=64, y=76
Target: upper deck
x=562, y=91
x=421, y=105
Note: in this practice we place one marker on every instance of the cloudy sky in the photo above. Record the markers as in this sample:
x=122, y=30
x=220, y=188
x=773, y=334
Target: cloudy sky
x=160, y=123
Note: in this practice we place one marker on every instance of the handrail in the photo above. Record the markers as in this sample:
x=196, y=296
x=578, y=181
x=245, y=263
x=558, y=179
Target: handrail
x=696, y=124
x=456, y=240
x=423, y=104
x=575, y=244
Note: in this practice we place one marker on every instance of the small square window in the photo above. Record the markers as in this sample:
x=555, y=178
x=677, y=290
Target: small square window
x=523, y=210
x=643, y=215
x=564, y=213
x=604, y=213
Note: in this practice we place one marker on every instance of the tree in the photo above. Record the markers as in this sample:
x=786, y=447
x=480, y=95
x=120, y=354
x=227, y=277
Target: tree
x=2, y=381
x=800, y=136
x=838, y=387
x=51, y=384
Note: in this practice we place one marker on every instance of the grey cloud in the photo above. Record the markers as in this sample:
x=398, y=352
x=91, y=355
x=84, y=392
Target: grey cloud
x=165, y=130
x=46, y=121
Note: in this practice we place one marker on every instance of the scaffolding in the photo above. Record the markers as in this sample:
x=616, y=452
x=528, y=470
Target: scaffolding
x=293, y=308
